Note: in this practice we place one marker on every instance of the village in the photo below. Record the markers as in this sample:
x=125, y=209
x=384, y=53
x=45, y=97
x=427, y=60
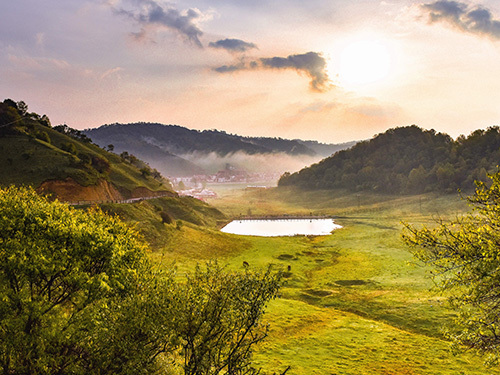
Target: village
x=196, y=186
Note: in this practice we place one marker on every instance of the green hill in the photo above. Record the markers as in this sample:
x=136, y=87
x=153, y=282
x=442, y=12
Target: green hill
x=65, y=162
x=406, y=160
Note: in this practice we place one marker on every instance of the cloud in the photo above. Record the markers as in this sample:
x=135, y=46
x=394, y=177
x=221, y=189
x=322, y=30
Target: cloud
x=110, y=72
x=477, y=20
x=154, y=15
x=310, y=63
x=233, y=45
x=230, y=68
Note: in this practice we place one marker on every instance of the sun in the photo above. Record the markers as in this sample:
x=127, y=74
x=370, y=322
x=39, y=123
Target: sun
x=364, y=62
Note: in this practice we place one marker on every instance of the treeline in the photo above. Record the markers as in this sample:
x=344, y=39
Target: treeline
x=78, y=295
x=406, y=160
x=180, y=140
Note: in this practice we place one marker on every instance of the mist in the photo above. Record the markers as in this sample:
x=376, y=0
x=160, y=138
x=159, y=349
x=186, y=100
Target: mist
x=276, y=163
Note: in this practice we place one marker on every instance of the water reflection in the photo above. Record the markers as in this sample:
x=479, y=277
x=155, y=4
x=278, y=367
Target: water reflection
x=281, y=227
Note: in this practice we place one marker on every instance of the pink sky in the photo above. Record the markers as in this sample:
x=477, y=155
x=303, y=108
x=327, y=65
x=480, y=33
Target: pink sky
x=328, y=70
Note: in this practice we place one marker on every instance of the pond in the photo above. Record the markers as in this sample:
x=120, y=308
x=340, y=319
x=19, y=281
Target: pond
x=281, y=227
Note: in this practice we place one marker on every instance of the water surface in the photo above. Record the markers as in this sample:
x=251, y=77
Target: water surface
x=281, y=227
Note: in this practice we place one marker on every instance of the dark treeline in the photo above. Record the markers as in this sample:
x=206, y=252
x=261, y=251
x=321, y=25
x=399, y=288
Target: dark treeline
x=179, y=140
x=406, y=160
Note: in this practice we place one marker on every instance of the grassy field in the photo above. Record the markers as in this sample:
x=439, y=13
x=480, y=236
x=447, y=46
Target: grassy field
x=354, y=302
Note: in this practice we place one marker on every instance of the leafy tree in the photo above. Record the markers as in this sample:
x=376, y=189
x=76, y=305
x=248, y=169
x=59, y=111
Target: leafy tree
x=78, y=296
x=220, y=319
x=69, y=147
x=145, y=171
x=43, y=136
x=100, y=164
x=22, y=108
x=45, y=121
x=165, y=217
x=59, y=267
x=74, y=133
x=465, y=255
x=178, y=224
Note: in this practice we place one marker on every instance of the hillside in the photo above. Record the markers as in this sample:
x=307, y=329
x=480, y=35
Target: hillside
x=406, y=160
x=326, y=149
x=178, y=151
x=63, y=161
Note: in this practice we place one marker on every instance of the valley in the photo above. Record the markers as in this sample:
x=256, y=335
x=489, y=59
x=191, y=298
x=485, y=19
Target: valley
x=354, y=302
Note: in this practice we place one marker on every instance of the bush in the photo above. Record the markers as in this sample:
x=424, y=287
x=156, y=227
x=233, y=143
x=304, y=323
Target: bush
x=165, y=217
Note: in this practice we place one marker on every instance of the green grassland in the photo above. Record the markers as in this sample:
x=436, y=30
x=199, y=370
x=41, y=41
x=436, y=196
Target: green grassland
x=354, y=302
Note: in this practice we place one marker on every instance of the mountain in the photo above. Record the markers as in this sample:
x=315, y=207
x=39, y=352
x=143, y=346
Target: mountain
x=405, y=160
x=63, y=161
x=178, y=151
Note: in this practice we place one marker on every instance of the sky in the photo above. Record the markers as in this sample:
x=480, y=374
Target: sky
x=326, y=70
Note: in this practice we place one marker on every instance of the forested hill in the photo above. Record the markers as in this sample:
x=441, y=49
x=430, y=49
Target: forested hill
x=63, y=161
x=406, y=160
x=179, y=140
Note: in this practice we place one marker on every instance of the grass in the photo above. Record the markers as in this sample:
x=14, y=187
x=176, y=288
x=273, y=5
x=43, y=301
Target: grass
x=354, y=302
x=315, y=340
x=23, y=161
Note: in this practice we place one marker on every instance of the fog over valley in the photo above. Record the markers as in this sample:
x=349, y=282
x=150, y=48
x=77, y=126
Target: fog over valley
x=176, y=151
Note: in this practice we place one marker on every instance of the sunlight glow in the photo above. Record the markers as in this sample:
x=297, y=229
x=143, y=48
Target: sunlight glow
x=364, y=62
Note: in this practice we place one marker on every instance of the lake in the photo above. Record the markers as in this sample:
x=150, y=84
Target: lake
x=281, y=227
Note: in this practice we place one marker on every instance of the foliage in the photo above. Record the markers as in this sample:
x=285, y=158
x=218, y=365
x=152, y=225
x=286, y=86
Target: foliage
x=60, y=271
x=145, y=172
x=77, y=295
x=73, y=133
x=178, y=224
x=165, y=218
x=465, y=254
x=220, y=319
x=405, y=160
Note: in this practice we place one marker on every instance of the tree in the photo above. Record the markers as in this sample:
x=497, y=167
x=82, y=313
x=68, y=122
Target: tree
x=165, y=217
x=465, y=255
x=22, y=108
x=78, y=296
x=145, y=171
x=219, y=319
x=59, y=270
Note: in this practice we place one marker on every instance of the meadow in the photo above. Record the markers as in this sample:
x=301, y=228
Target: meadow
x=354, y=302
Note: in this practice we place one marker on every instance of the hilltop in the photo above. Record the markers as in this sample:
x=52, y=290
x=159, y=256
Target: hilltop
x=406, y=160
x=63, y=161
x=179, y=151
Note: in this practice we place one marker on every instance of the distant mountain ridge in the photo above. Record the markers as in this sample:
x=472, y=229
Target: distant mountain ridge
x=406, y=160
x=173, y=149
